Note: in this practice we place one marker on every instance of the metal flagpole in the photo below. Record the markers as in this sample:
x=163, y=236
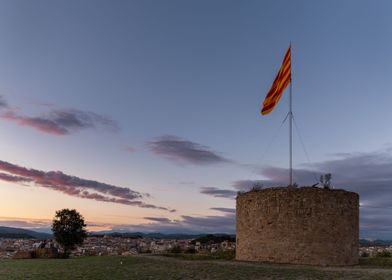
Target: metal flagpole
x=291, y=125
x=291, y=137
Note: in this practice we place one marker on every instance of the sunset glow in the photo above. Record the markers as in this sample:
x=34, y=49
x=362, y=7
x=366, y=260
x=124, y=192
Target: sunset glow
x=145, y=115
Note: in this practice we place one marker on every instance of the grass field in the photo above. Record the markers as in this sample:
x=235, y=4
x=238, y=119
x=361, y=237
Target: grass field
x=154, y=267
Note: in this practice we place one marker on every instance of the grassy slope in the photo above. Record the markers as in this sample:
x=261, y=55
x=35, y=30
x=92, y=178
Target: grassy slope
x=171, y=268
x=376, y=262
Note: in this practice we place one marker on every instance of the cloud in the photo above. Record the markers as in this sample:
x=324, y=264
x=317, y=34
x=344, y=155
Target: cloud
x=158, y=219
x=187, y=224
x=26, y=224
x=376, y=222
x=14, y=179
x=130, y=149
x=366, y=173
x=219, y=223
x=240, y=185
x=74, y=186
x=280, y=176
x=177, y=149
x=62, y=122
x=3, y=102
x=246, y=185
x=369, y=174
x=223, y=209
x=216, y=192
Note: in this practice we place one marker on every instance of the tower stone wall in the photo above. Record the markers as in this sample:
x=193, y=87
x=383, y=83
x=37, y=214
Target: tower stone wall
x=305, y=225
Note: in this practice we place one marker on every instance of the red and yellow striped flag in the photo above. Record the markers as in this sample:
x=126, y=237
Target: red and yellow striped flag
x=281, y=82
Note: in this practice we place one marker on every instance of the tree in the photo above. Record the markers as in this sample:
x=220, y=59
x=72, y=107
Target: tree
x=68, y=229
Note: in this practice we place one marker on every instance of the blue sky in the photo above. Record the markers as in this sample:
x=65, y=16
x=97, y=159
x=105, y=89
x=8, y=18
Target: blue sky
x=163, y=98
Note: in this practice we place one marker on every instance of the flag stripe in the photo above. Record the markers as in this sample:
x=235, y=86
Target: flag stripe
x=282, y=75
x=281, y=81
x=278, y=90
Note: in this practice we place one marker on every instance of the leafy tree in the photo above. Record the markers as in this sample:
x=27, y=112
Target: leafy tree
x=68, y=229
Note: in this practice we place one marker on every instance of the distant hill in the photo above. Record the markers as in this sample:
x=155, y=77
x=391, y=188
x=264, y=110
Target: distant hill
x=9, y=232
x=368, y=243
x=157, y=235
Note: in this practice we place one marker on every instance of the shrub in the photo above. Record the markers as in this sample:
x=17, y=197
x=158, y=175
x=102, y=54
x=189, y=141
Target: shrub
x=176, y=250
x=384, y=254
x=211, y=238
x=224, y=255
x=364, y=254
x=190, y=250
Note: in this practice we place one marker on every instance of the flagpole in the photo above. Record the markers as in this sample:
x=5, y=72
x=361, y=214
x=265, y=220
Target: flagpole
x=281, y=82
x=291, y=135
x=291, y=125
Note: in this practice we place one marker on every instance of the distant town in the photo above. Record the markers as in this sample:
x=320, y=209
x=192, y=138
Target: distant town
x=107, y=245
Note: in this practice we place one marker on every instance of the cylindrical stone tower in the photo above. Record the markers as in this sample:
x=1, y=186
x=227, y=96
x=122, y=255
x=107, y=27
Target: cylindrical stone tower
x=305, y=225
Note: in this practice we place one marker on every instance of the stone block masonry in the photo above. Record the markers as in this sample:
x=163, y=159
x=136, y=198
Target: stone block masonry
x=305, y=225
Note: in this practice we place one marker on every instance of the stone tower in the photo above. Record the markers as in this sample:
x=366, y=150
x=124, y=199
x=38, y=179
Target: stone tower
x=305, y=225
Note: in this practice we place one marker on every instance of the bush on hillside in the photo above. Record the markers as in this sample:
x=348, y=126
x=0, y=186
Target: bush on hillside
x=176, y=250
x=384, y=254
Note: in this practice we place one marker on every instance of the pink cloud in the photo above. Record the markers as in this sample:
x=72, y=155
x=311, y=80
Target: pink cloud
x=75, y=186
x=41, y=124
x=62, y=122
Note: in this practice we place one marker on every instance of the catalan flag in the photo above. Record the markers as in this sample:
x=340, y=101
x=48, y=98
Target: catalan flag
x=281, y=82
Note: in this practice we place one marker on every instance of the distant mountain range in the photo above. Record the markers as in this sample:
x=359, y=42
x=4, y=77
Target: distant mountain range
x=377, y=242
x=157, y=235
x=10, y=232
